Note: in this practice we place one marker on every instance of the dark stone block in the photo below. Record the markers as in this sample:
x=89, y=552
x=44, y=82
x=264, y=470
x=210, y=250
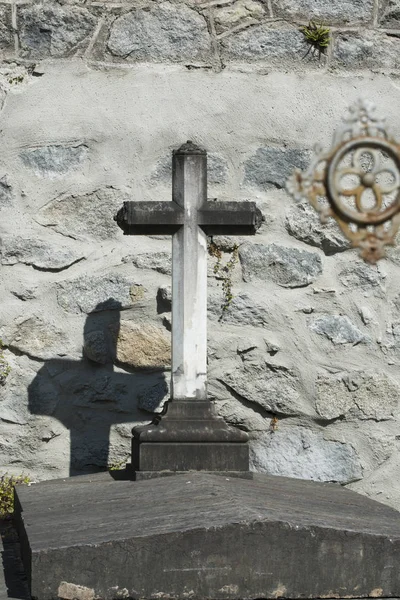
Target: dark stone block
x=206, y=536
x=189, y=438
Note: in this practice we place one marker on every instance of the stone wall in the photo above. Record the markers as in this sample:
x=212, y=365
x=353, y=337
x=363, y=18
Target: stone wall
x=94, y=96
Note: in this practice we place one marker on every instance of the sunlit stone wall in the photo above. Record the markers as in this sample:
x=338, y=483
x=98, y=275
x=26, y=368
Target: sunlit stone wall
x=94, y=97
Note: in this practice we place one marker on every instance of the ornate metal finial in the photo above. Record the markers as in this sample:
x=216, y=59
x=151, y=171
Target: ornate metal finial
x=356, y=182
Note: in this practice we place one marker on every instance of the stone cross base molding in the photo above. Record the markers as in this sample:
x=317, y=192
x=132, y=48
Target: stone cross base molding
x=189, y=438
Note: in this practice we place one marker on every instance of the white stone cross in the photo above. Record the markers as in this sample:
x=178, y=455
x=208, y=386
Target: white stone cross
x=189, y=218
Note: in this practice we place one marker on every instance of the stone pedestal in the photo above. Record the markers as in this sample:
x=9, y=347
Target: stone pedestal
x=189, y=438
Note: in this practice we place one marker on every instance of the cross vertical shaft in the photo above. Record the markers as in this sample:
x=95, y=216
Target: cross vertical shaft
x=189, y=278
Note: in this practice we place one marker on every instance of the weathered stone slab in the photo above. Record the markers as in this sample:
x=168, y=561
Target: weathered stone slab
x=303, y=223
x=223, y=537
x=142, y=345
x=301, y=453
x=263, y=44
x=86, y=216
x=288, y=267
x=54, y=161
x=97, y=293
x=340, y=11
x=369, y=50
x=271, y=166
x=37, y=253
x=171, y=31
x=53, y=30
x=338, y=328
x=389, y=14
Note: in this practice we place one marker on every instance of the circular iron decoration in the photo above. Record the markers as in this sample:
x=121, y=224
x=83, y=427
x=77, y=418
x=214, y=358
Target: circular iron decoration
x=357, y=182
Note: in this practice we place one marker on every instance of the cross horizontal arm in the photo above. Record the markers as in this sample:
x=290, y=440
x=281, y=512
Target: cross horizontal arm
x=230, y=218
x=149, y=218
x=215, y=218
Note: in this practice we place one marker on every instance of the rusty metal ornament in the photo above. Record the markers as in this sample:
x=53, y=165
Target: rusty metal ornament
x=357, y=182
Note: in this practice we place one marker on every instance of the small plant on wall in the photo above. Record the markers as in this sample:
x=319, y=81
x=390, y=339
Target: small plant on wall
x=224, y=272
x=4, y=366
x=7, y=484
x=318, y=38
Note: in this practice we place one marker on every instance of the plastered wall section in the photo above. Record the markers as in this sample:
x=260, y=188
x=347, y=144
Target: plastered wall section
x=94, y=97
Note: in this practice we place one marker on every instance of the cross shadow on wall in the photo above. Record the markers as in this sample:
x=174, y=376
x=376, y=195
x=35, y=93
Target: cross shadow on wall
x=92, y=395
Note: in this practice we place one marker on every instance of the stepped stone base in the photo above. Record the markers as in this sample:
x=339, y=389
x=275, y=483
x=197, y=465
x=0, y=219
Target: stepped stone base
x=190, y=437
x=201, y=536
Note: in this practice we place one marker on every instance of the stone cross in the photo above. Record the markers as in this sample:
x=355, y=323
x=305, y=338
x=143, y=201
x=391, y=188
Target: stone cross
x=190, y=218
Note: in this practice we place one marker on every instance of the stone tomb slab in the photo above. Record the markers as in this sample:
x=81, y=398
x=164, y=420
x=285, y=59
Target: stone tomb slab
x=198, y=536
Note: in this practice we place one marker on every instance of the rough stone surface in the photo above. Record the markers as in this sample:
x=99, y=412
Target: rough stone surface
x=158, y=261
x=301, y=453
x=340, y=11
x=88, y=216
x=263, y=44
x=6, y=29
x=38, y=339
x=303, y=223
x=54, y=30
x=60, y=416
x=357, y=395
x=154, y=398
x=37, y=253
x=92, y=294
x=366, y=50
x=54, y=161
x=390, y=13
x=350, y=538
x=271, y=386
x=361, y=276
x=95, y=347
x=142, y=346
x=6, y=194
x=338, y=329
x=242, y=12
x=170, y=32
x=271, y=167
x=243, y=310
x=288, y=267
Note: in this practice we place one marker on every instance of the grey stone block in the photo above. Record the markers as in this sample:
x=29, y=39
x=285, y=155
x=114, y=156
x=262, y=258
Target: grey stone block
x=360, y=276
x=389, y=13
x=337, y=12
x=6, y=28
x=338, y=329
x=86, y=216
x=243, y=310
x=288, y=267
x=260, y=43
x=369, y=50
x=37, y=338
x=157, y=261
x=300, y=453
x=272, y=386
x=303, y=223
x=239, y=13
x=170, y=32
x=6, y=192
x=271, y=167
x=357, y=395
x=53, y=30
x=55, y=160
x=37, y=253
x=97, y=293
